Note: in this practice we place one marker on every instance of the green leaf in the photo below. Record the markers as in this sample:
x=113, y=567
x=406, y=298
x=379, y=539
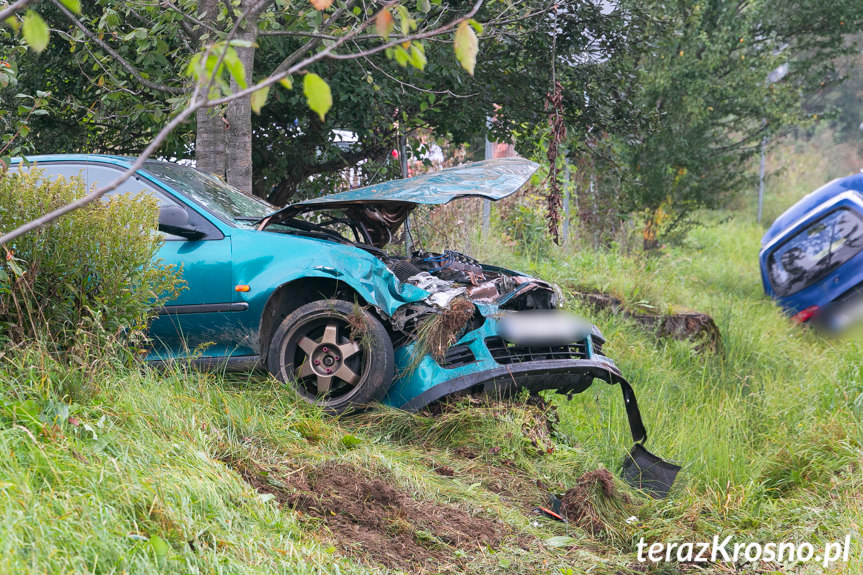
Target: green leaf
x=160, y=546
x=318, y=94
x=351, y=441
x=418, y=57
x=407, y=24
x=475, y=25
x=559, y=541
x=423, y=6
x=286, y=83
x=73, y=5
x=194, y=68
x=401, y=56
x=259, y=98
x=235, y=67
x=35, y=31
x=466, y=46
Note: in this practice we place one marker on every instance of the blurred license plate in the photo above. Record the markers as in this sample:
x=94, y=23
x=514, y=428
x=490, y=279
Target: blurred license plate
x=543, y=328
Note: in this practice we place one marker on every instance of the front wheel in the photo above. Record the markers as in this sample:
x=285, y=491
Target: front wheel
x=335, y=353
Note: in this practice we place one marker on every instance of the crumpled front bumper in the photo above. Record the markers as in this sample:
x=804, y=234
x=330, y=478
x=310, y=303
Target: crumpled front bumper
x=488, y=367
x=474, y=368
x=566, y=376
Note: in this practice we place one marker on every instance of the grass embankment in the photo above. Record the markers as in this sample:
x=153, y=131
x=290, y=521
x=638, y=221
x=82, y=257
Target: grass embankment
x=153, y=472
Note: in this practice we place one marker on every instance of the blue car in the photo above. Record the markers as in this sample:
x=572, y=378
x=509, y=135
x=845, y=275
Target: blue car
x=311, y=293
x=812, y=256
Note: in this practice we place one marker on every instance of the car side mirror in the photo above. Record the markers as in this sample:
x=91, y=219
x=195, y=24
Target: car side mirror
x=175, y=220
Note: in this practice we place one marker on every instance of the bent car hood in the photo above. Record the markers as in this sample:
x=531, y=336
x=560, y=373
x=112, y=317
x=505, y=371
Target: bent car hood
x=490, y=179
x=382, y=208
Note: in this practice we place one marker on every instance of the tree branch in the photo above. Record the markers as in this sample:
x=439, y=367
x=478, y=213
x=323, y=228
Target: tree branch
x=419, y=36
x=404, y=84
x=11, y=10
x=287, y=62
x=200, y=100
x=113, y=53
x=93, y=196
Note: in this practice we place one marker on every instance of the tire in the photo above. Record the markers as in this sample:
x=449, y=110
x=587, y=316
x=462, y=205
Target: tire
x=330, y=365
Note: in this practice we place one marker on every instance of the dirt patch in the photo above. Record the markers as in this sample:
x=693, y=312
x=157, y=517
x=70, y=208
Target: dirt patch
x=692, y=326
x=369, y=518
x=587, y=504
x=444, y=470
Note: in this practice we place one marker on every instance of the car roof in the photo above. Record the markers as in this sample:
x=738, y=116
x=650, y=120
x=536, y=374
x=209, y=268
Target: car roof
x=810, y=202
x=123, y=161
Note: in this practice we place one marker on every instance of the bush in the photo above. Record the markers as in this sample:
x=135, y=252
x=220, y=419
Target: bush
x=523, y=226
x=86, y=284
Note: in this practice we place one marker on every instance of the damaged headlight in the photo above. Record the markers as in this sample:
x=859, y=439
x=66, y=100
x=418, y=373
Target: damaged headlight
x=557, y=299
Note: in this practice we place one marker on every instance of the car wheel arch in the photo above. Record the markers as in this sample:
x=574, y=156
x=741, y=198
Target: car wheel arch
x=293, y=294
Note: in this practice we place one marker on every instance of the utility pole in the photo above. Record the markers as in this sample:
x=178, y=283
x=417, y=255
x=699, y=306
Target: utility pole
x=403, y=164
x=761, y=177
x=566, y=186
x=486, y=204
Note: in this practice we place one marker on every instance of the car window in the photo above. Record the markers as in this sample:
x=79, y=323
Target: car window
x=225, y=202
x=98, y=176
x=813, y=253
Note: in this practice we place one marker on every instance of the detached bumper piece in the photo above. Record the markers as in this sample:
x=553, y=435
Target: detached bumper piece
x=641, y=469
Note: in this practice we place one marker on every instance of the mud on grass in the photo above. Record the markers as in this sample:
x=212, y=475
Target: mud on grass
x=596, y=505
x=371, y=520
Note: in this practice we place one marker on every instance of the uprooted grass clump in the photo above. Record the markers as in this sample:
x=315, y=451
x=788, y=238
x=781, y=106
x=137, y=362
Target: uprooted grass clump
x=439, y=331
x=596, y=505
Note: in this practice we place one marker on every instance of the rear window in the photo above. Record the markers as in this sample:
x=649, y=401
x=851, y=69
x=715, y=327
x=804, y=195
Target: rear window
x=813, y=253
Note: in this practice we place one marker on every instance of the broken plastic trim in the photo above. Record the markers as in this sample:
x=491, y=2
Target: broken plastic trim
x=642, y=469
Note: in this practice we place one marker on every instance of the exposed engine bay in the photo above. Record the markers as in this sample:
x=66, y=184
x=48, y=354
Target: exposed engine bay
x=452, y=273
x=456, y=281
x=445, y=275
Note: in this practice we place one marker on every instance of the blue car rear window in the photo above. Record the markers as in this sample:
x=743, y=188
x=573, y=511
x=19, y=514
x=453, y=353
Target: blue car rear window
x=814, y=252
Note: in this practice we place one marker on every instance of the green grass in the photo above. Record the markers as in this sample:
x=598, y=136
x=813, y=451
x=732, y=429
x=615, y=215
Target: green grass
x=124, y=470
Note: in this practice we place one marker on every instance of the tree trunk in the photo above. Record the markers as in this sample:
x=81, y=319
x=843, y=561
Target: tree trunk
x=210, y=134
x=210, y=141
x=238, y=159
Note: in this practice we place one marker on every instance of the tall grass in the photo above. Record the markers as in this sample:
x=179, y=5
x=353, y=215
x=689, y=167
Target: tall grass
x=132, y=475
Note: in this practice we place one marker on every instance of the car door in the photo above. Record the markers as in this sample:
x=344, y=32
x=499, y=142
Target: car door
x=198, y=320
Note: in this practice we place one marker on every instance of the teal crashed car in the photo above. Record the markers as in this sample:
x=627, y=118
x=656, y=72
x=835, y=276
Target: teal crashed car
x=308, y=292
